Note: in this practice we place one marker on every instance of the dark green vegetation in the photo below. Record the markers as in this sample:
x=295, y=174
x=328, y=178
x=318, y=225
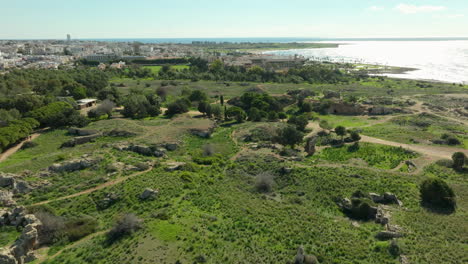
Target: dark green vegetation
x=225, y=192
x=249, y=47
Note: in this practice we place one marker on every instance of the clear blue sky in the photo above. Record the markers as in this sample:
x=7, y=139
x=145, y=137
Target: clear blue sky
x=233, y=18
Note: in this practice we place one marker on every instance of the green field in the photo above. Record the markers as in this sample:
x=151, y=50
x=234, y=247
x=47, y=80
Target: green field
x=211, y=209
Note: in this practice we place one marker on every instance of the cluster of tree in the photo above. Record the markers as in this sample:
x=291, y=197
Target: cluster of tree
x=58, y=114
x=260, y=106
x=15, y=131
x=137, y=105
x=78, y=83
x=202, y=70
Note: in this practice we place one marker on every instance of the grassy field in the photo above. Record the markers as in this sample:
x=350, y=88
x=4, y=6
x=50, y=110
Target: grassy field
x=373, y=155
x=156, y=69
x=211, y=209
x=418, y=129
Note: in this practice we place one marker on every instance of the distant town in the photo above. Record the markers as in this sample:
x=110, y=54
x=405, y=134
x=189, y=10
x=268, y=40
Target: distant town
x=52, y=54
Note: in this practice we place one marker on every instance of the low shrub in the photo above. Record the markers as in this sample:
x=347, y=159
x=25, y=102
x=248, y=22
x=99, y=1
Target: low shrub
x=125, y=225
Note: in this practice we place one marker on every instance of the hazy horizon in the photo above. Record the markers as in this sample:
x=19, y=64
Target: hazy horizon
x=86, y=19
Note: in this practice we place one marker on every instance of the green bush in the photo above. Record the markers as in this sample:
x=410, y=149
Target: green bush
x=436, y=193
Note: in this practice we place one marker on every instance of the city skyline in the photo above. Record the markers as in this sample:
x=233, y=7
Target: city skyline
x=87, y=19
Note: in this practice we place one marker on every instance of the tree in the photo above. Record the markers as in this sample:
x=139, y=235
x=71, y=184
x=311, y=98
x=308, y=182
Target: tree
x=255, y=115
x=436, y=192
x=355, y=136
x=289, y=136
x=306, y=107
x=300, y=122
x=179, y=106
x=198, y=96
x=217, y=111
x=340, y=131
x=236, y=113
x=202, y=107
x=141, y=106
x=459, y=160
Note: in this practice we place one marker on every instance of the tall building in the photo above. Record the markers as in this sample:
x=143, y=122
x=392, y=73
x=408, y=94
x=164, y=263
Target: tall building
x=68, y=38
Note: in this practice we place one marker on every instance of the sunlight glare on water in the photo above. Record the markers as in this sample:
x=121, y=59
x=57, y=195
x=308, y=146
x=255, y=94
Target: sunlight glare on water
x=435, y=60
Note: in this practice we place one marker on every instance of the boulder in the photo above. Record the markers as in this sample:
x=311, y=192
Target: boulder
x=73, y=165
x=171, y=146
x=310, y=259
x=203, y=133
x=159, y=152
x=6, y=199
x=386, y=198
x=376, y=198
x=27, y=242
x=6, y=257
x=382, y=217
x=390, y=198
x=7, y=180
x=108, y=201
x=148, y=194
x=21, y=187
x=173, y=166
x=299, y=259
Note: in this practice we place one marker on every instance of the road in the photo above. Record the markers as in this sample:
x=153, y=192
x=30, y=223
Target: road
x=17, y=147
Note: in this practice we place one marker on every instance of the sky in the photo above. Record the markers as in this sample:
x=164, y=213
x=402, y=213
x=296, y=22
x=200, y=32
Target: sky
x=53, y=19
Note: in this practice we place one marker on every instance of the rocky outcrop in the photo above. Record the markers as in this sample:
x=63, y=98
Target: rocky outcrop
x=6, y=199
x=82, y=132
x=7, y=180
x=386, y=198
x=74, y=165
x=142, y=149
x=344, y=108
x=107, y=201
x=14, y=182
x=6, y=257
x=80, y=141
x=380, y=110
x=203, y=133
x=173, y=166
x=22, y=250
x=302, y=258
x=148, y=194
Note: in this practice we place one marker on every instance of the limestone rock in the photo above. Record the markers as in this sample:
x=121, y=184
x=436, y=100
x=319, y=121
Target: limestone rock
x=6, y=257
x=6, y=199
x=148, y=194
x=73, y=165
x=82, y=132
x=173, y=166
x=7, y=180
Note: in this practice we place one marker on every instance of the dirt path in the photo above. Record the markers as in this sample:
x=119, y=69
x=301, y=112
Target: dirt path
x=81, y=241
x=14, y=149
x=433, y=151
x=99, y=187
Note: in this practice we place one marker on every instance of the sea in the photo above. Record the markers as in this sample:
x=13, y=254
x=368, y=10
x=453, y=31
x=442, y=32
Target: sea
x=436, y=59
